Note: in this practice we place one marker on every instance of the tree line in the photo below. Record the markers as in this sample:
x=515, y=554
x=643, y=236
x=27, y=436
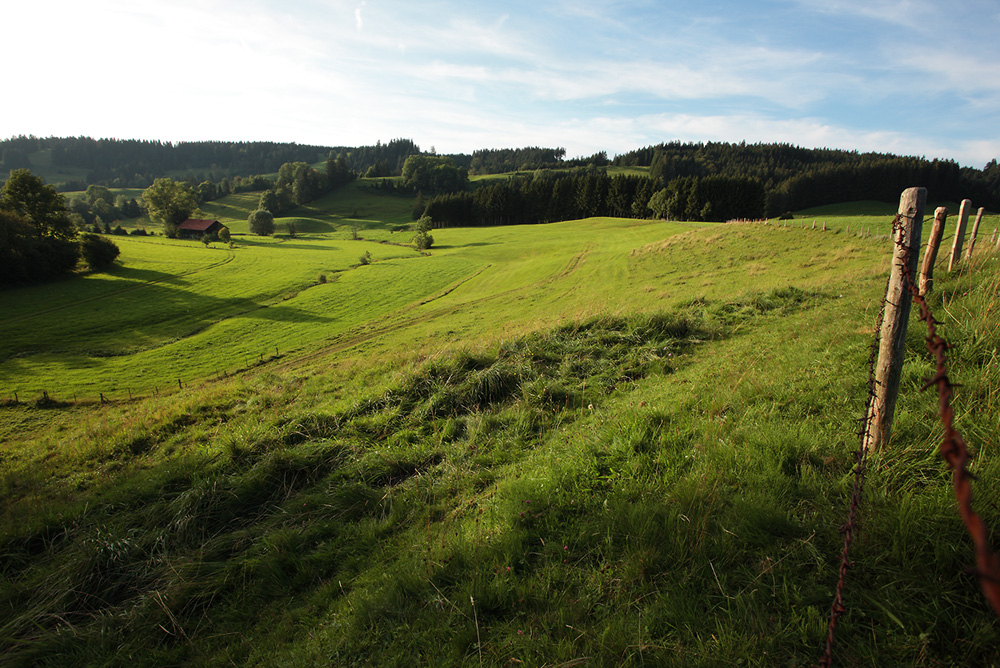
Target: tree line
x=797, y=178
x=135, y=163
x=548, y=196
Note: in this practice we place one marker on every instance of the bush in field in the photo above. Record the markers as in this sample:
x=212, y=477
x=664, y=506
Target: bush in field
x=224, y=235
x=261, y=222
x=422, y=240
x=98, y=252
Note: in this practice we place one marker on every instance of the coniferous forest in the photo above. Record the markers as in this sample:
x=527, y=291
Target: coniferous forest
x=685, y=181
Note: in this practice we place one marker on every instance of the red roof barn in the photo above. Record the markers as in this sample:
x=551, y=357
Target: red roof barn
x=195, y=228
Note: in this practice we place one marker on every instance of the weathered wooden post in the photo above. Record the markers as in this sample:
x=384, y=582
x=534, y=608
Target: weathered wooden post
x=906, y=249
x=975, y=231
x=930, y=255
x=993, y=239
x=956, y=245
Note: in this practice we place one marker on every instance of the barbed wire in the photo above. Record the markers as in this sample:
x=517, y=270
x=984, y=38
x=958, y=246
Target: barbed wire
x=860, y=467
x=953, y=450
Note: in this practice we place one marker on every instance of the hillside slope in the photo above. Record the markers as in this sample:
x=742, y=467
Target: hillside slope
x=603, y=442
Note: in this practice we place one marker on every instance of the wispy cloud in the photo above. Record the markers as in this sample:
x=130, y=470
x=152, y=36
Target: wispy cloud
x=588, y=74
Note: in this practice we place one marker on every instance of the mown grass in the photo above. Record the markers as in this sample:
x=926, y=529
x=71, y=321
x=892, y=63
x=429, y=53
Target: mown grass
x=603, y=443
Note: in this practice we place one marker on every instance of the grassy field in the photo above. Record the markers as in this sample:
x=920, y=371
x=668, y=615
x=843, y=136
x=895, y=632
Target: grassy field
x=604, y=442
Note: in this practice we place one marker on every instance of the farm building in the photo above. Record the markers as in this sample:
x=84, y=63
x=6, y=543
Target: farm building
x=195, y=228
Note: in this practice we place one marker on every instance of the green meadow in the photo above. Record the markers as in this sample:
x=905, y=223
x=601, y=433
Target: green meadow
x=604, y=442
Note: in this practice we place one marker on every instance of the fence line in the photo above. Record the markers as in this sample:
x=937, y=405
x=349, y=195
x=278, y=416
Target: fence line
x=953, y=448
x=46, y=399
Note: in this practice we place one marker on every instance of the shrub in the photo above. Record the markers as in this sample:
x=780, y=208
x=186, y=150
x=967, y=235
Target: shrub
x=423, y=241
x=366, y=258
x=786, y=216
x=98, y=252
x=261, y=222
x=224, y=235
x=321, y=278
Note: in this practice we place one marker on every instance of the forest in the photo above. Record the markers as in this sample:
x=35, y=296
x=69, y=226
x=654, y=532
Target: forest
x=712, y=181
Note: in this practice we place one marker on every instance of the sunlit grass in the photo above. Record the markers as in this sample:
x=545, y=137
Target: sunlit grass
x=602, y=442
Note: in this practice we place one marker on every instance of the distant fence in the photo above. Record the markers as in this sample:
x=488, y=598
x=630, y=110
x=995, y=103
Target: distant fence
x=43, y=398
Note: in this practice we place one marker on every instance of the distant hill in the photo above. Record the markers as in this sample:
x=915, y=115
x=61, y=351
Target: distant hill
x=793, y=178
x=797, y=178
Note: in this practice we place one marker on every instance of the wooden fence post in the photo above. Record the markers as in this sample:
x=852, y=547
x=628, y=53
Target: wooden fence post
x=975, y=231
x=930, y=255
x=956, y=245
x=906, y=249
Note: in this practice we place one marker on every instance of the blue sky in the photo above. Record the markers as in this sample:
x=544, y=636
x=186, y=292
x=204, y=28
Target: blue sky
x=912, y=77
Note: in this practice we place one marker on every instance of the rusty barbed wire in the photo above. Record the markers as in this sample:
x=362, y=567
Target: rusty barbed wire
x=953, y=450
x=837, y=608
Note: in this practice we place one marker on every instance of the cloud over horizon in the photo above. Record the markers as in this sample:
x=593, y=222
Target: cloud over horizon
x=867, y=76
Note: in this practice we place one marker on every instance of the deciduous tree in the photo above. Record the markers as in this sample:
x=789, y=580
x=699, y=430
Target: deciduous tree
x=27, y=195
x=170, y=202
x=261, y=222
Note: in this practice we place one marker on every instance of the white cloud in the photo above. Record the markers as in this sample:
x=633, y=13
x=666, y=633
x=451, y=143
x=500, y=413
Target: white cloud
x=584, y=75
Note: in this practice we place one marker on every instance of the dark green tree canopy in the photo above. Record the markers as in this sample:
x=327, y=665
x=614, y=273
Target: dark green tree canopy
x=433, y=174
x=43, y=207
x=99, y=253
x=27, y=257
x=261, y=222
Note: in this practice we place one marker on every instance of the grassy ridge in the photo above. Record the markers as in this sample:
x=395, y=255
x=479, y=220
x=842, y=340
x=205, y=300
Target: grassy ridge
x=607, y=442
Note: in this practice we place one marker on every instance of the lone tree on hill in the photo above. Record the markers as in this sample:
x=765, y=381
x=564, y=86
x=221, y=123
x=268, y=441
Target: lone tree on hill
x=170, y=202
x=261, y=222
x=422, y=240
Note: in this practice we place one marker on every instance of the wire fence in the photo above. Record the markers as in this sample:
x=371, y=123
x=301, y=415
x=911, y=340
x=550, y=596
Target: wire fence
x=42, y=398
x=953, y=450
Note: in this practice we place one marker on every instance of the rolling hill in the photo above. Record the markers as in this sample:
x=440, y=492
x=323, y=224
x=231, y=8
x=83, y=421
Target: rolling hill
x=600, y=442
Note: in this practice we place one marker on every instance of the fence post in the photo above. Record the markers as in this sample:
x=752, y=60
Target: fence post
x=906, y=249
x=956, y=245
x=975, y=231
x=930, y=255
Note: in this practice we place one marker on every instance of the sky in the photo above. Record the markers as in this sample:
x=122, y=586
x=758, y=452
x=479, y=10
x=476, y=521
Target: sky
x=910, y=77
